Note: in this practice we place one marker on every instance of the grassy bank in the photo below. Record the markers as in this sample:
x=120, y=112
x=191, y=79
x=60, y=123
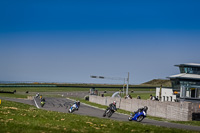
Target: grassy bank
x=21, y=118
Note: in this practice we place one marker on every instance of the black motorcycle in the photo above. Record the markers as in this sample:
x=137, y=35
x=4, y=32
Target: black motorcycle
x=109, y=111
x=42, y=102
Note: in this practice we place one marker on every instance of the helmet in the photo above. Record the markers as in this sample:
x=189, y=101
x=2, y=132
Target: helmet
x=114, y=102
x=145, y=108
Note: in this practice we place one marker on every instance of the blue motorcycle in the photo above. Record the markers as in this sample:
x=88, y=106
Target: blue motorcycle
x=139, y=115
x=73, y=108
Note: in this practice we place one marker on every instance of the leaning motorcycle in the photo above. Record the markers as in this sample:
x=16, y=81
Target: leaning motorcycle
x=139, y=116
x=73, y=108
x=109, y=112
x=42, y=103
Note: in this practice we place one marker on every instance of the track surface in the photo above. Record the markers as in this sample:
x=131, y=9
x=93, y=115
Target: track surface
x=62, y=105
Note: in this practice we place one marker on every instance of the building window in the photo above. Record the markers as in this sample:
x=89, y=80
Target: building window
x=186, y=70
x=181, y=69
x=198, y=92
x=191, y=70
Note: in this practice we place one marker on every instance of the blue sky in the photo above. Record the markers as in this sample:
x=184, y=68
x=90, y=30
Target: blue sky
x=67, y=41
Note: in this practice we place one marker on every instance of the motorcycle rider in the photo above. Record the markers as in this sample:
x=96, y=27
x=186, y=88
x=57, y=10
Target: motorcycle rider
x=112, y=106
x=145, y=108
x=76, y=104
x=139, y=115
x=37, y=95
x=42, y=101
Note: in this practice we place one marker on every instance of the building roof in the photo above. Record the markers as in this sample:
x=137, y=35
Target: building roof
x=189, y=65
x=185, y=76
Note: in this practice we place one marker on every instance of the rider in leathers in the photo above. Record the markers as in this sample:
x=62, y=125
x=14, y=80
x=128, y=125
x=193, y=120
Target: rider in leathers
x=112, y=106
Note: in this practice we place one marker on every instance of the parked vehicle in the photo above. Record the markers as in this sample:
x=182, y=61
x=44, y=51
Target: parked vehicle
x=139, y=115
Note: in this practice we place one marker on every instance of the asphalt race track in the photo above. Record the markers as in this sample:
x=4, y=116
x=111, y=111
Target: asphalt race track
x=62, y=105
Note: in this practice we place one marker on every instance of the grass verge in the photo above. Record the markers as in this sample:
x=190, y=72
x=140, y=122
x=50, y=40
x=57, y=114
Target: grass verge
x=18, y=117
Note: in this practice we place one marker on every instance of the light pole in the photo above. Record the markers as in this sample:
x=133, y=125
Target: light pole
x=124, y=85
x=127, y=84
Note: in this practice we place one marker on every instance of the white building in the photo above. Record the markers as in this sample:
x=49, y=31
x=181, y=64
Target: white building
x=185, y=86
x=166, y=94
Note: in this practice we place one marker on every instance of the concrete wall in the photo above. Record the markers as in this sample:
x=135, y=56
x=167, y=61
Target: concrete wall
x=195, y=111
x=179, y=111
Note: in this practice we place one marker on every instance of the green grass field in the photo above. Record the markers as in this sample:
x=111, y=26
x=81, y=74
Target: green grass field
x=44, y=89
x=13, y=95
x=21, y=118
x=63, y=89
x=21, y=91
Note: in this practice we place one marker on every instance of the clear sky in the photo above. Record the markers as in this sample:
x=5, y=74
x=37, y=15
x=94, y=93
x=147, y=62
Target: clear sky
x=69, y=40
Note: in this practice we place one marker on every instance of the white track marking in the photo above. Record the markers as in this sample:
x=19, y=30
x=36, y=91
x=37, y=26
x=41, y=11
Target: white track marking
x=36, y=103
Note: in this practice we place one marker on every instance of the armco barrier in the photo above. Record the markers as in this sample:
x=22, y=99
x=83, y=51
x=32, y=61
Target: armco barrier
x=179, y=111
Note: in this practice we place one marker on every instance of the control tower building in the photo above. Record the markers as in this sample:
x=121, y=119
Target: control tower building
x=186, y=85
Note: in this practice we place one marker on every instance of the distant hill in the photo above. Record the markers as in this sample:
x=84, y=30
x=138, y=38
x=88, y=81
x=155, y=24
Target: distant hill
x=158, y=82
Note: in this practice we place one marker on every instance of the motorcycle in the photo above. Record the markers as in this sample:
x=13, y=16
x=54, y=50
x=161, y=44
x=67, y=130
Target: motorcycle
x=138, y=116
x=42, y=103
x=109, y=112
x=73, y=108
